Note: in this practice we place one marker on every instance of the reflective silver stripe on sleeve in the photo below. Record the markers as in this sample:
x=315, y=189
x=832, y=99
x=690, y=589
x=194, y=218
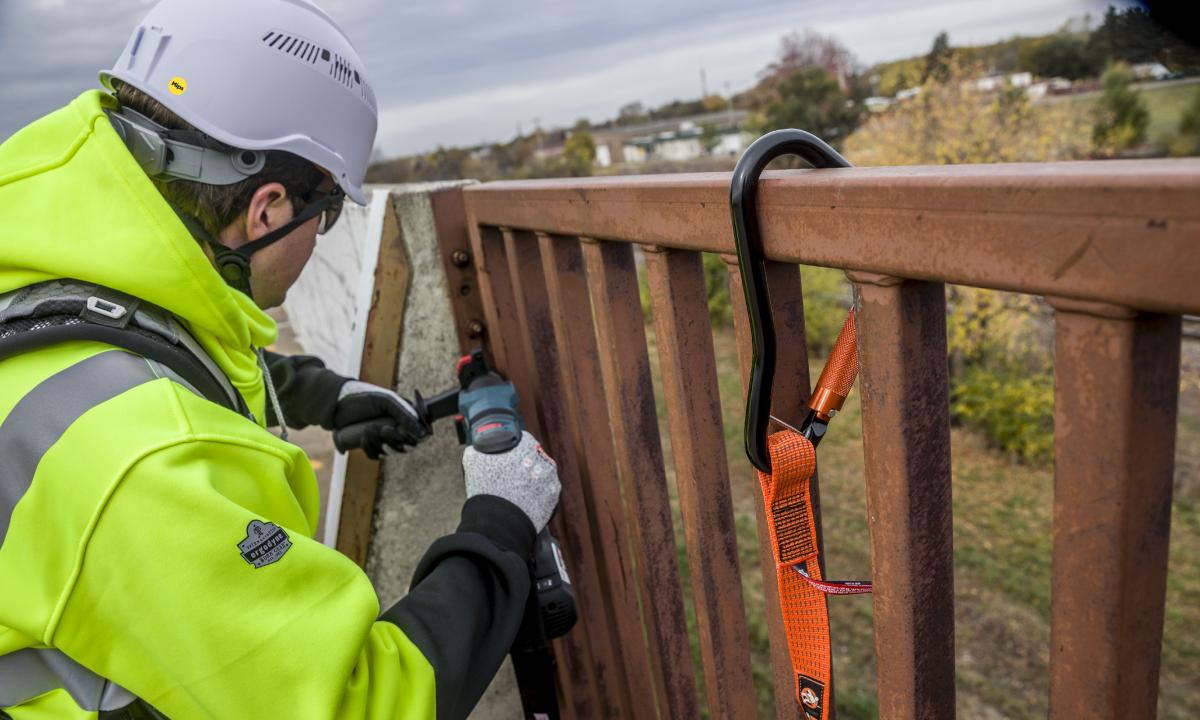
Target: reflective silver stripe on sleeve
x=27, y=673
x=37, y=422
x=41, y=417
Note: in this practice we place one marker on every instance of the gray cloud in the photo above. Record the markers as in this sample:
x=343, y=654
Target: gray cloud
x=463, y=71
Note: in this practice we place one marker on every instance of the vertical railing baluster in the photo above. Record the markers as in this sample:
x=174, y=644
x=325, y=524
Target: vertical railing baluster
x=504, y=340
x=689, y=378
x=629, y=389
x=906, y=442
x=499, y=307
x=787, y=304
x=1116, y=377
x=543, y=346
x=575, y=334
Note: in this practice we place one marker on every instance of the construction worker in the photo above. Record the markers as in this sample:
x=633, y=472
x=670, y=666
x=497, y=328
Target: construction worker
x=156, y=551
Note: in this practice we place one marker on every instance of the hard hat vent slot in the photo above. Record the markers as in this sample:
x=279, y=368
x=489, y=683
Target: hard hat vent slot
x=296, y=47
x=339, y=68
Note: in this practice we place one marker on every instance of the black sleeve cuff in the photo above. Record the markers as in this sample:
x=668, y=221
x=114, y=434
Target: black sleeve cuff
x=500, y=521
x=307, y=390
x=469, y=595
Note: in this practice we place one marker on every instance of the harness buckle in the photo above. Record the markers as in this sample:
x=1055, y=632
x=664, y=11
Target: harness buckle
x=107, y=308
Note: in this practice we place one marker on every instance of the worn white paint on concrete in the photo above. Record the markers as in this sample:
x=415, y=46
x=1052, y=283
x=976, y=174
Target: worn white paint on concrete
x=328, y=309
x=364, y=290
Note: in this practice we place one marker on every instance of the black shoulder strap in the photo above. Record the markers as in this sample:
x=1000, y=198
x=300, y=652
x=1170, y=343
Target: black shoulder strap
x=59, y=311
x=179, y=360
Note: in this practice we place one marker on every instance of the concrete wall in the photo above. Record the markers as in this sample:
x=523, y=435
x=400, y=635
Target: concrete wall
x=324, y=305
x=422, y=491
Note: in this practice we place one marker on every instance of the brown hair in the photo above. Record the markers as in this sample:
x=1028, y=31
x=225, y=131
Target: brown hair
x=216, y=206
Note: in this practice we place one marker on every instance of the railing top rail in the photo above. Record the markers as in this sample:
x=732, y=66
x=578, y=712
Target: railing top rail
x=1125, y=232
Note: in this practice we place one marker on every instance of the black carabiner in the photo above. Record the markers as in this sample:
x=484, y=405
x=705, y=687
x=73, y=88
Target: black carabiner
x=743, y=201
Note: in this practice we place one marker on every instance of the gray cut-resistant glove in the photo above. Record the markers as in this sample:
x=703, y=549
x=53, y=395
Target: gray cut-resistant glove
x=370, y=417
x=524, y=476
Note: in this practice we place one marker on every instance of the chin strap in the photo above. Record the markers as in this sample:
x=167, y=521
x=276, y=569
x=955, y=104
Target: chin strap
x=234, y=263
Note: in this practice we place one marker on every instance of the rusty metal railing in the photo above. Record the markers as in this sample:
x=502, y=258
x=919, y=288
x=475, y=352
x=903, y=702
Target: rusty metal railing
x=545, y=272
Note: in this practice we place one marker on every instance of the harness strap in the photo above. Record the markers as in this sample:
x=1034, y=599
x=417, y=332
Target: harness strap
x=63, y=310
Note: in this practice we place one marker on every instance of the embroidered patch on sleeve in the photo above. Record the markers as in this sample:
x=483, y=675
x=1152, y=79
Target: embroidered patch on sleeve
x=264, y=543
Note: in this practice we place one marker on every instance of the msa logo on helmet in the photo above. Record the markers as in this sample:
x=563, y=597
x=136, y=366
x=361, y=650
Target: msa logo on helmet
x=177, y=86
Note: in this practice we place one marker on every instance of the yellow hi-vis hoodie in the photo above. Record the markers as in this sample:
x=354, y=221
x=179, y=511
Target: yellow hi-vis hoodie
x=163, y=542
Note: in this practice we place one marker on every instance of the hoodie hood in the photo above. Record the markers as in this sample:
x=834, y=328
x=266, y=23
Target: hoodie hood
x=77, y=205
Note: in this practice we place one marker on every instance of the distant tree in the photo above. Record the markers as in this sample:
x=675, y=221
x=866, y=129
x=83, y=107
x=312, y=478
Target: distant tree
x=798, y=51
x=1121, y=117
x=579, y=152
x=714, y=103
x=937, y=62
x=897, y=75
x=1061, y=55
x=810, y=49
x=1188, y=142
x=709, y=137
x=677, y=109
x=948, y=123
x=811, y=100
x=631, y=113
x=1134, y=35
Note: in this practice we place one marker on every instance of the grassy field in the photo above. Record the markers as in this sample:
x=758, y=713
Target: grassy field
x=1002, y=541
x=1166, y=103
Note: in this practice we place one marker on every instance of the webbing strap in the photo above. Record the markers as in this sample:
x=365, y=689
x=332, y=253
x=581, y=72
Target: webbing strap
x=786, y=495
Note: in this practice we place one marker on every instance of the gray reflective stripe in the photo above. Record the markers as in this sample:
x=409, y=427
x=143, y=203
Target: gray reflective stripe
x=41, y=417
x=27, y=673
x=164, y=371
x=25, y=302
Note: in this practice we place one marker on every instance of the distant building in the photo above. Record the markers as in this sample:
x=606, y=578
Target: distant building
x=877, y=104
x=1021, y=79
x=991, y=83
x=1059, y=86
x=603, y=156
x=675, y=139
x=1150, y=71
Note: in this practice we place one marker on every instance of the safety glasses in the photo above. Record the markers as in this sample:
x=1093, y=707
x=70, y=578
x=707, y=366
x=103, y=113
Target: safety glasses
x=326, y=201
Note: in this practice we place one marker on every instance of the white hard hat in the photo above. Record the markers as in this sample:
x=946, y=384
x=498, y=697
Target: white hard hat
x=258, y=75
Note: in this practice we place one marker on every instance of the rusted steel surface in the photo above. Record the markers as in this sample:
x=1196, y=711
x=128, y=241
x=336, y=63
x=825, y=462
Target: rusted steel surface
x=454, y=244
x=579, y=360
x=499, y=307
x=596, y=691
x=906, y=441
x=1116, y=381
x=625, y=367
x=785, y=293
x=507, y=348
x=689, y=378
x=1119, y=231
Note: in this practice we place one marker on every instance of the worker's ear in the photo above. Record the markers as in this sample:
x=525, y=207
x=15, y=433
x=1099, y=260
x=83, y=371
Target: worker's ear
x=270, y=208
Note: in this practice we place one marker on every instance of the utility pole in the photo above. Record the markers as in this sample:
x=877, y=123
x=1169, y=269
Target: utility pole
x=703, y=84
x=729, y=104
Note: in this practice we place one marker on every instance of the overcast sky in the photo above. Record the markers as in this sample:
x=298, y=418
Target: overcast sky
x=460, y=72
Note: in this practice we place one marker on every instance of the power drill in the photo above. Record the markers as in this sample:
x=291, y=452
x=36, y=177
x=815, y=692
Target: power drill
x=484, y=406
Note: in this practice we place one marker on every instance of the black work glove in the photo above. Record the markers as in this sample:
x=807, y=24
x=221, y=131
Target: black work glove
x=371, y=417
